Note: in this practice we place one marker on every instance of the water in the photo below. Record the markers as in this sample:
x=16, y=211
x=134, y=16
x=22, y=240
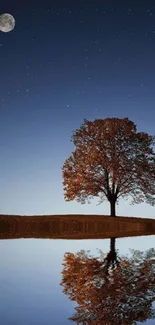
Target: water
x=31, y=273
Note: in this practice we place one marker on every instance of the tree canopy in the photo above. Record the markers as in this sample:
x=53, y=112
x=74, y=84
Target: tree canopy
x=111, y=160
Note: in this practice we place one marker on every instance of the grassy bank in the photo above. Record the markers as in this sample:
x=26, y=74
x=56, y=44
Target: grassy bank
x=75, y=226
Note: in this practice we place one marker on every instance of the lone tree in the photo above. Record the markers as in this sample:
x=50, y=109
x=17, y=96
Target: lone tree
x=111, y=160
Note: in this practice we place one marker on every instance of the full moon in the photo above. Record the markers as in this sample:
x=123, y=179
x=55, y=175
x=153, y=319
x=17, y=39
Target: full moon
x=7, y=23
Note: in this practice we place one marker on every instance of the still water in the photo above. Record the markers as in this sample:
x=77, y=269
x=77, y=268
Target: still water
x=31, y=273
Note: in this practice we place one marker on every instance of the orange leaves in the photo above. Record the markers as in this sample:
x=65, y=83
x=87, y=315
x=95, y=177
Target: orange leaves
x=111, y=157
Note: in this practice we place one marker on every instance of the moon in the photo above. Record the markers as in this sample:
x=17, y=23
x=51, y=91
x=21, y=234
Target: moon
x=7, y=23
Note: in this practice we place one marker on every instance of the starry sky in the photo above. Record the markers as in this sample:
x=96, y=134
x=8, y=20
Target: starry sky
x=66, y=61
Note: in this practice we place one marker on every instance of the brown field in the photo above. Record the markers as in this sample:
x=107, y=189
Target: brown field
x=75, y=226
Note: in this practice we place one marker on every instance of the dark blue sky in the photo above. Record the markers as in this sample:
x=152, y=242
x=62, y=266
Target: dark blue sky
x=63, y=62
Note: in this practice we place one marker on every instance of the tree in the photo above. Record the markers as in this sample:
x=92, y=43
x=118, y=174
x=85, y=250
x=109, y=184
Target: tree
x=111, y=160
x=124, y=296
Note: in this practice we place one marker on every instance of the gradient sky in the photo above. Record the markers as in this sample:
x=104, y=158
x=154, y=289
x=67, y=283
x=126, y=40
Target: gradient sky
x=66, y=61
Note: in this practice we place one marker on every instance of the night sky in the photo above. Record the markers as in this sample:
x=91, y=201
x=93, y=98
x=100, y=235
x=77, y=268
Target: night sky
x=63, y=62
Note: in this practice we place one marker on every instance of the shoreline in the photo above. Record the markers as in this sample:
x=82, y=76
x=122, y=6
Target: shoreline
x=77, y=226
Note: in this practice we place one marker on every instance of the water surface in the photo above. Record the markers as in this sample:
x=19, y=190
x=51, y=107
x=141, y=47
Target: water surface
x=31, y=273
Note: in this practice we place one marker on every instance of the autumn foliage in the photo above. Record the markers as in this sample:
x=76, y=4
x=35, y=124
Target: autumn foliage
x=121, y=296
x=111, y=160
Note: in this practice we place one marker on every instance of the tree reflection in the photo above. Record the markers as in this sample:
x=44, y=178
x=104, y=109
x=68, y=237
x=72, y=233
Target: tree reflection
x=110, y=289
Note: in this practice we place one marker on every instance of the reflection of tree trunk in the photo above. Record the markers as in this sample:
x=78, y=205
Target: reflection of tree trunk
x=111, y=258
x=112, y=246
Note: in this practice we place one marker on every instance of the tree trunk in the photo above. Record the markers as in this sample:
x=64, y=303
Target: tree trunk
x=112, y=208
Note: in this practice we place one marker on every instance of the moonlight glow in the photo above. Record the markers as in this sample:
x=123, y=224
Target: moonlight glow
x=7, y=23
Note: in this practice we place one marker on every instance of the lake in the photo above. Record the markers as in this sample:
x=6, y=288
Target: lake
x=31, y=273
